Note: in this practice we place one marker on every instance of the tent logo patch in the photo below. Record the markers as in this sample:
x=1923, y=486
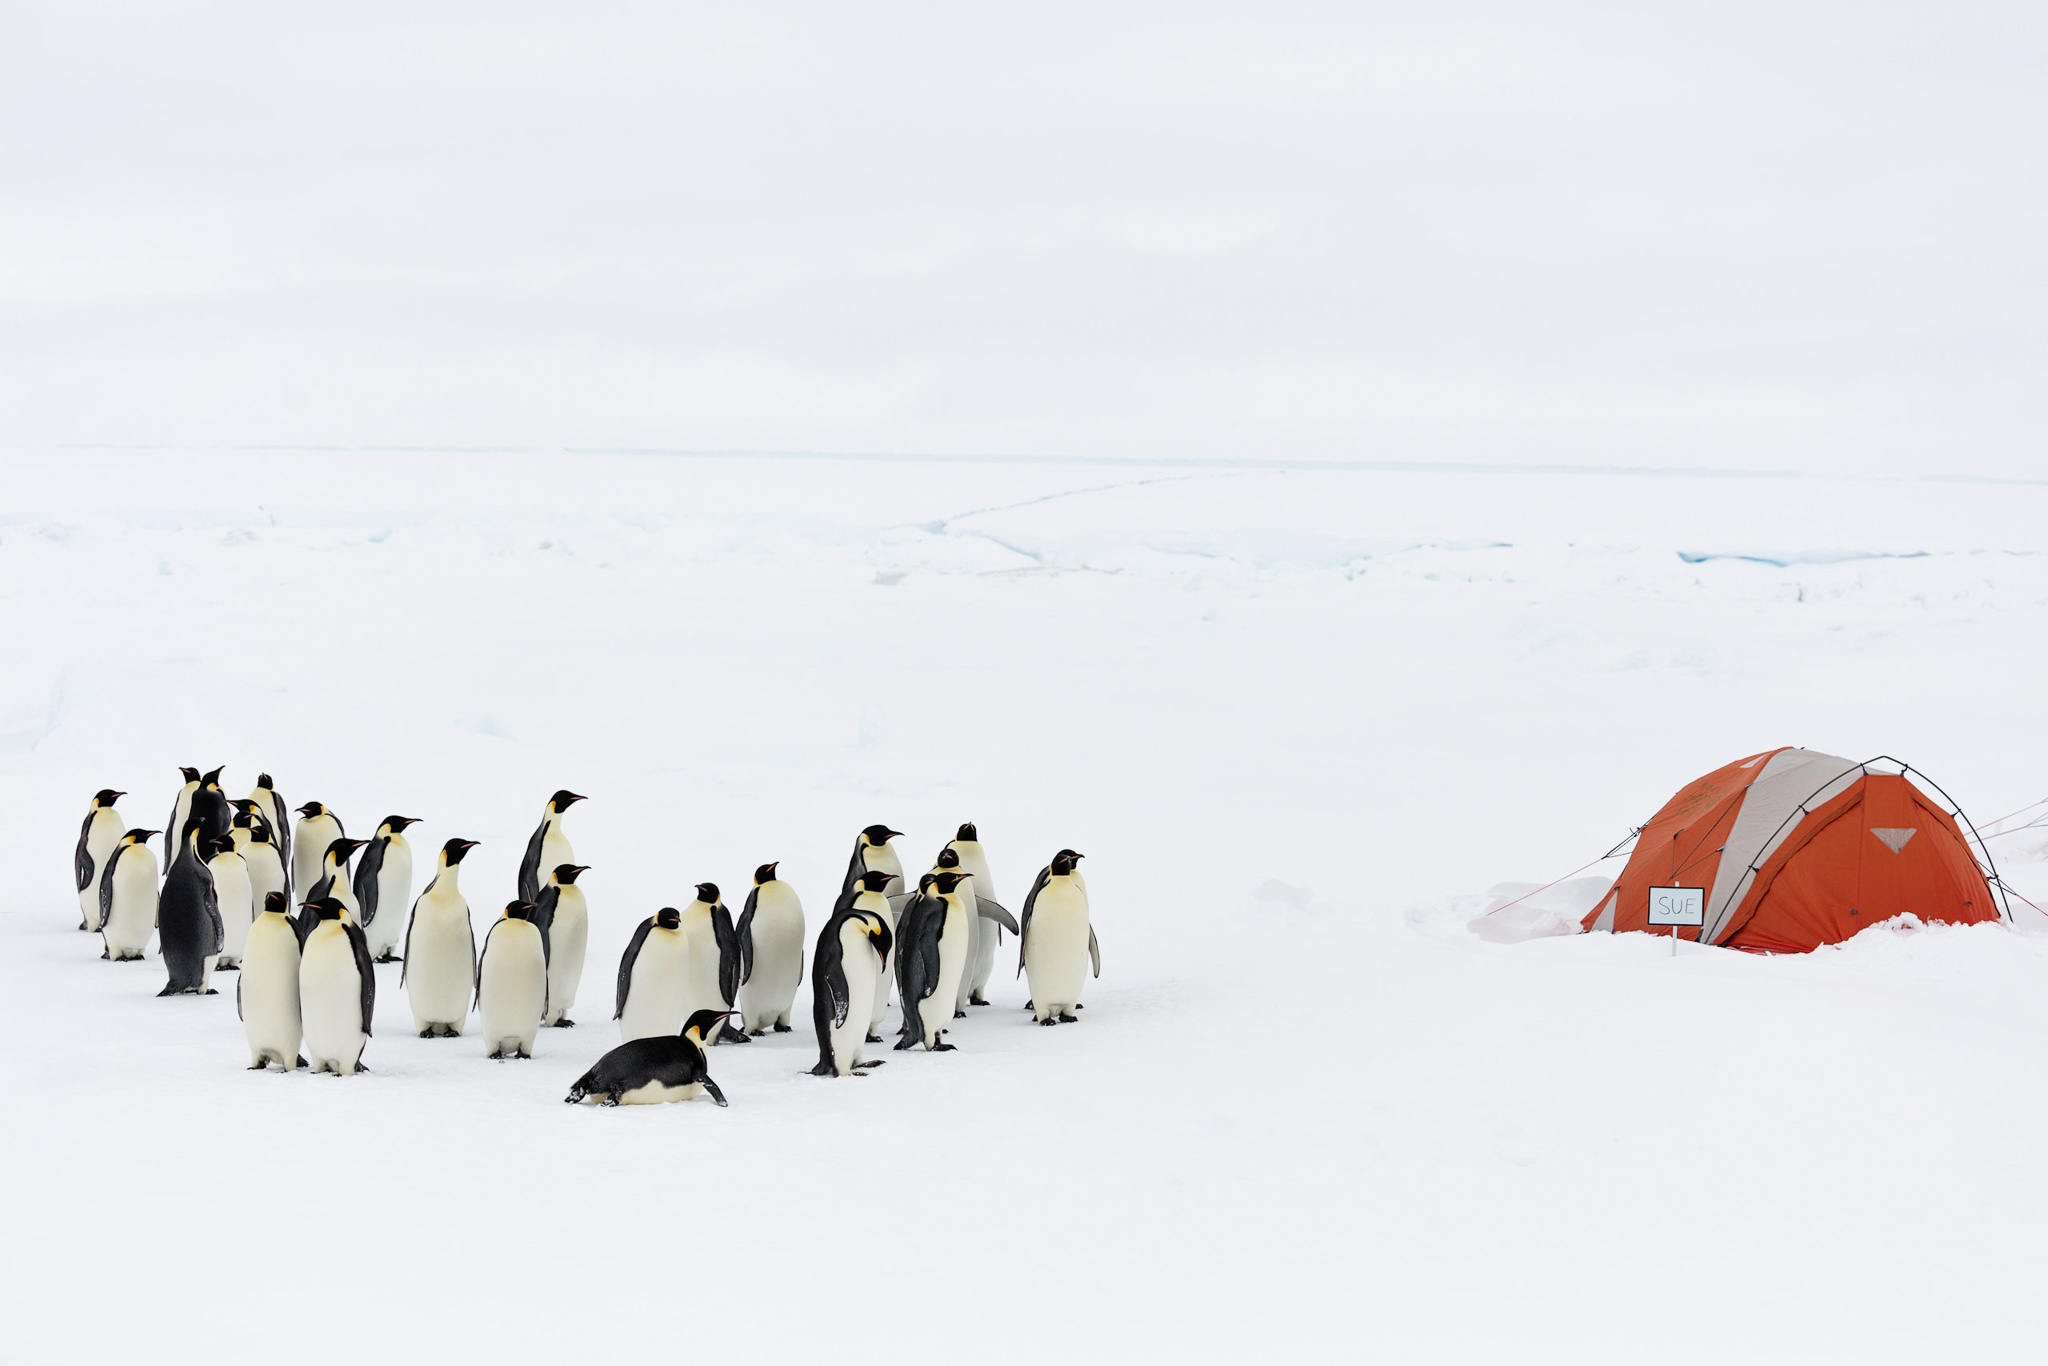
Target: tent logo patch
x=1894, y=839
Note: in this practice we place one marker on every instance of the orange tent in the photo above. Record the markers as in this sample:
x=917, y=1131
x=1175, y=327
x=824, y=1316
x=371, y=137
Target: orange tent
x=1797, y=849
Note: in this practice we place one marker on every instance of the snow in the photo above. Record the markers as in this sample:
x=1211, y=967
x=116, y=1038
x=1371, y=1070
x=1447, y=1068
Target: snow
x=1296, y=717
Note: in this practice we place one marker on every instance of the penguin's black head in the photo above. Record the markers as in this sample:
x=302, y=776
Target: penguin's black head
x=191, y=774
x=324, y=908
x=220, y=844
x=880, y=834
x=398, y=823
x=259, y=833
x=567, y=873
x=707, y=892
x=967, y=833
x=946, y=881
x=519, y=910
x=563, y=800
x=263, y=781
x=765, y=873
x=140, y=836
x=243, y=821
x=213, y=779
x=669, y=918
x=704, y=1024
x=343, y=849
x=244, y=805
x=949, y=857
x=1063, y=862
x=276, y=903
x=312, y=809
x=107, y=796
x=453, y=850
x=875, y=880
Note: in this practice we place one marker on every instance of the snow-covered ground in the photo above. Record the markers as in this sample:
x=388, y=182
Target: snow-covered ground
x=1300, y=719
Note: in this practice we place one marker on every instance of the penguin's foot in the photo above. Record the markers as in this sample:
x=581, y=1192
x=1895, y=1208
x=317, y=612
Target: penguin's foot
x=227, y=967
x=1028, y=1006
x=757, y=1033
x=429, y=1032
x=1079, y=1006
x=1067, y=1019
x=825, y=1068
x=105, y=956
x=611, y=1100
x=941, y=1048
x=873, y=1037
x=904, y=1043
x=782, y=1029
x=259, y=1065
x=209, y=992
x=83, y=926
x=565, y=1023
x=524, y=1054
x=1048, y=1022
x=959, y=1014
x=169, y=991
x=301, y=1063
x=728, y=1034
x=976, y=1001
x=496, y=1057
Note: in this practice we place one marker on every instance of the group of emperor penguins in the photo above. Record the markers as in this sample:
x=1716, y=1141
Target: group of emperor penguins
x=245, y=890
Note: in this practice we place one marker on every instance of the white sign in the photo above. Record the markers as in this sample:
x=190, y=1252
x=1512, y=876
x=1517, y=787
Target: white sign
x=1678, y=905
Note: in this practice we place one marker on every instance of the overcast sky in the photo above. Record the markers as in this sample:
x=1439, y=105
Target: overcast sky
x=1779, y=236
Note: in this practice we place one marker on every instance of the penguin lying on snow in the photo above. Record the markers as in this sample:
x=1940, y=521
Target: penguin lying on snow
x=651, y=1071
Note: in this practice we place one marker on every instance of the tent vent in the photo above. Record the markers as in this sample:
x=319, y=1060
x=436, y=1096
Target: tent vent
x=1894, y=839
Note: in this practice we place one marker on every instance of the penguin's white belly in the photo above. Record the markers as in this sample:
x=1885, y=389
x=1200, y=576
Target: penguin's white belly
x=232, y=891
x=132, y=917
x=101, y=839
x=987, y=934
x=331, y=998
x=855, y=953
x=270, y=992
x=309, y=846
x=266, y=872
x=1056, y=959
x=394, y=890
x=969, y=889
x=778, y=933
x=568, y=937
x=655, y=1093
x=654, y=998
x=701, y=974
x=554, y=852
x=439, y=971
x=513, y=989
x=937, y=1012
x=885, y=976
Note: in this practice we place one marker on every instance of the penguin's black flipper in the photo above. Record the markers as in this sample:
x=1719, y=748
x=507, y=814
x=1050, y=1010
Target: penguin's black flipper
x=745, y=931
x=81, y=861
x=367, y=971
x=854, y=868
x=1094, y=952
x=107, y=882
x=626, y=961
x=727, y=1034
x=529, y=864
x=543, y=917
x=408, y=937
x=366, y=877
x=238, y=1000
x=1024, y=926
x=728, y=954
x=711, y=1089
x=989, y=910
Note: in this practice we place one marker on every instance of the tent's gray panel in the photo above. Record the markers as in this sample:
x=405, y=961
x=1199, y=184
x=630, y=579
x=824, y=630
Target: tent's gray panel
x=1792, y=778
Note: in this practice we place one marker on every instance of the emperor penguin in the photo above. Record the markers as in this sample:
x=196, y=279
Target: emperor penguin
x=985, y=917
x=564, y=920
x=128, y=898
x=384, y=881
x=181, y=810
x=868, y=895
x=440, y=950
x=931, y=953
x=1057, y=944
x=337, y=989
x=333, y=879
x=712, y=972
x=852, y=953
x=987, y=938
x=210, y=807
x=266, y=868
x=242, y=828
x=264, y=794
x=512, y=983
x=871, y=849
x=654, y=1070
x=318, y=828
x=267, y=992
x=548, y=848
x=97, y=838
x=234, y=894
x=771, y=938
x=188, y=919
x=652, y=977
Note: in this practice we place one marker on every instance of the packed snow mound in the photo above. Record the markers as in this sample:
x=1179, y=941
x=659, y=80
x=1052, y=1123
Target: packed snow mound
x=1516, y=912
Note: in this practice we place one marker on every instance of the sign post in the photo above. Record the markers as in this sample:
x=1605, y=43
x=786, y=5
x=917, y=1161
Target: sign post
x=1675, y=906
